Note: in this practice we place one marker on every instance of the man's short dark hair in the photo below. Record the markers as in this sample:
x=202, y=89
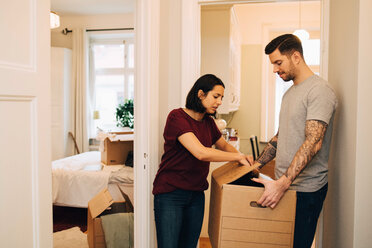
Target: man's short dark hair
x=205, y=83
x=286, y=43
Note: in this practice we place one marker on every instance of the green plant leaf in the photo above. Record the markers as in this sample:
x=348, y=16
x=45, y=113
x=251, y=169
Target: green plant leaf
x=125, y=114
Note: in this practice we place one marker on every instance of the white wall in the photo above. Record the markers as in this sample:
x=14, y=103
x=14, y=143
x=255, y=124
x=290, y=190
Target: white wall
x=170, y=61
x=89, y=22
x=215, y=42
x=363, y=182
x=252, y=17
x=60, y=101
x=347, y=218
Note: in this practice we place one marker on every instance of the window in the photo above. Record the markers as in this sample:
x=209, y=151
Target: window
x=111, y=78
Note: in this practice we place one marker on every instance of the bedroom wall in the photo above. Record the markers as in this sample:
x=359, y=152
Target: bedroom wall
x=89, y=22
x=60, y=101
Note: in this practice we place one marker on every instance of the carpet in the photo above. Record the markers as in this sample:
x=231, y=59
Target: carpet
x=70, y=238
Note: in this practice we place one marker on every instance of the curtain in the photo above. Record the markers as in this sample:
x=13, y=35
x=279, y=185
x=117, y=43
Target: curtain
x=80, y=112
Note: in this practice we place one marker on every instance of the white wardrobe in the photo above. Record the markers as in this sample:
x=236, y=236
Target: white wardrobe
x=60, y=104
x=221, y=51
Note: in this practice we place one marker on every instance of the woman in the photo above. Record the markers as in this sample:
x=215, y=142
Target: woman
x=179, y=185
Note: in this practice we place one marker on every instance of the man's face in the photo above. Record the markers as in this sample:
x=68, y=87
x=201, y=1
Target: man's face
x=283, y=65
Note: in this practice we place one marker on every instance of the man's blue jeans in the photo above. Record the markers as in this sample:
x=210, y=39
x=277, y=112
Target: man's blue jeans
x=309, y=205
x=179, y=218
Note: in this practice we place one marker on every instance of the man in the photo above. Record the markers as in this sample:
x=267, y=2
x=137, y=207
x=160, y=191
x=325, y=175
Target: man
x=301, y=146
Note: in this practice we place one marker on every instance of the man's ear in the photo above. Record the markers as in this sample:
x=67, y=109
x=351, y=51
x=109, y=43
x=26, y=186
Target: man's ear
x=296, y=56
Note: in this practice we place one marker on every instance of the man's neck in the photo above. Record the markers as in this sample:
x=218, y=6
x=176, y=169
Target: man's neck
x=304, y=73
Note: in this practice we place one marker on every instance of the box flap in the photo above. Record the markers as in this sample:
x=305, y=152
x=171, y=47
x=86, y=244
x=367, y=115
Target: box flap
x=122, y=132
x=214, y=213
x=120, y=137
x=231, y=171
x=129, y=204
x=99, y=203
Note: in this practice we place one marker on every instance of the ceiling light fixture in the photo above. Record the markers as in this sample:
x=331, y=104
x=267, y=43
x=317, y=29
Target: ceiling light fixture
x=301, y=33
x=54, y=20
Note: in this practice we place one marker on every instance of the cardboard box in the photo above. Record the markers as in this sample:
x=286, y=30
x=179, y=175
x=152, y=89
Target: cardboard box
x=103, y=204
x=116, y=148
x=235, y=218
x=269, y=169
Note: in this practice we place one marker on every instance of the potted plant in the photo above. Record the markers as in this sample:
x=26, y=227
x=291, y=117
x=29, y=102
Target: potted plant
x=124, y=114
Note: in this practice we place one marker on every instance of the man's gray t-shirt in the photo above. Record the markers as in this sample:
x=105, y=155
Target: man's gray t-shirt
x=312, y=99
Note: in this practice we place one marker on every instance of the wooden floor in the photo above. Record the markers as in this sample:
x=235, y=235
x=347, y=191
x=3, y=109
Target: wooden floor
x=204, y=243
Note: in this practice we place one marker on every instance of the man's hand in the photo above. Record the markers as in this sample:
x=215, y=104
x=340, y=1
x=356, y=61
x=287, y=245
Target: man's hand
x=274, y=190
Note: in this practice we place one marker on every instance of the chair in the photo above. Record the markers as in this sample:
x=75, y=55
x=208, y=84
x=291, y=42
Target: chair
x=75, y=143
x=254, y=145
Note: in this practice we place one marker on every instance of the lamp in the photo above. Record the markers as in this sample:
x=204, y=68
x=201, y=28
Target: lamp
x=54, y=20
x=96, y=115
x=301, y=33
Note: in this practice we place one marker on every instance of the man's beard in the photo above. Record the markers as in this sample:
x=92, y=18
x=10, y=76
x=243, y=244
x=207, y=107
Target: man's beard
x=288, y=77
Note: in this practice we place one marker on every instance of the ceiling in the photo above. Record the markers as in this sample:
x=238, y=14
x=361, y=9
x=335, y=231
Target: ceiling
x=92, y=7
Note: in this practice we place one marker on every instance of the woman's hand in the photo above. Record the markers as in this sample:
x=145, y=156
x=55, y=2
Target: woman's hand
x=250, y=159
x=255, y=172
x=245, y=159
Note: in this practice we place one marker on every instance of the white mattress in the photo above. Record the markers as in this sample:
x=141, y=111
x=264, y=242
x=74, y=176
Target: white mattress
x=78, y=178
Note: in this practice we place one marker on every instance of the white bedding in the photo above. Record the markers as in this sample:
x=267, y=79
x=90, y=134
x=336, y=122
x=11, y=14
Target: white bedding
x=78, y=178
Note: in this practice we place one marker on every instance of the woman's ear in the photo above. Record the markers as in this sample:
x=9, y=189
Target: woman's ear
x=200, y=94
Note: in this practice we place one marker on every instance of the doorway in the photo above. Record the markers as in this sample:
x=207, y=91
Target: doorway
x=108, y=47
x=269, y=28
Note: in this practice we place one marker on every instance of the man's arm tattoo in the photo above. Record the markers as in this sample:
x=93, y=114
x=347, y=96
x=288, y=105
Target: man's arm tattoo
x=314, y=135
x=269, y=152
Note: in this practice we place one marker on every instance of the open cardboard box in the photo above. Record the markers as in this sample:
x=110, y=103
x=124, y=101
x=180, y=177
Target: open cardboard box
x=116, y=149
x=103, y=204
x=235, y=218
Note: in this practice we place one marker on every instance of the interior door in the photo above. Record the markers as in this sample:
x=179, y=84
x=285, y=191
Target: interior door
x=25, y=178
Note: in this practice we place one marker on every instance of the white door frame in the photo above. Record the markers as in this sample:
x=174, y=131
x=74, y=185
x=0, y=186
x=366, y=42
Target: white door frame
x=147, y=133
x=146, y=102
x=147, y=95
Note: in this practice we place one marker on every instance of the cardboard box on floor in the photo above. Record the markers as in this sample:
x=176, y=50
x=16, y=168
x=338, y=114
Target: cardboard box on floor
x=235, y=218
x=103, y=204
x=115, y=151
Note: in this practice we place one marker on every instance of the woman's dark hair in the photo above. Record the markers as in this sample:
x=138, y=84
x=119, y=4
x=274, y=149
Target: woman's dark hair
x=205, y=83
x=286, y=43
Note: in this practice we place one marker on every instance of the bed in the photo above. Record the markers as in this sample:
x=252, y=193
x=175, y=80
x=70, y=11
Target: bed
x=77, y=179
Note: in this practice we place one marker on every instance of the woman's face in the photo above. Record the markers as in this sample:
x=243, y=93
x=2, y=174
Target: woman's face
x=213, y=99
